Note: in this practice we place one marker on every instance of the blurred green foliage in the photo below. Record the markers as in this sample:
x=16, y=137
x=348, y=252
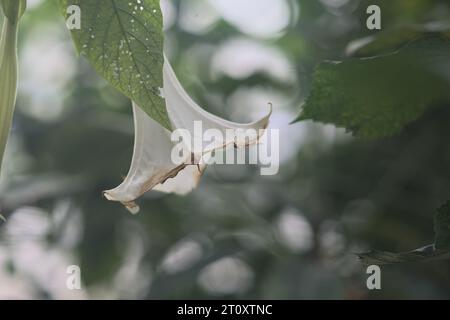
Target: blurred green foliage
x=352, y=194
x=397, y=88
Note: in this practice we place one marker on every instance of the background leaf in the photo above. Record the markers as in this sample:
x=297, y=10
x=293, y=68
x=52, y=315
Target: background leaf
x=385, y=42
x=442, y=227
x=437, y=251
x=123, y=40
x=396, y=90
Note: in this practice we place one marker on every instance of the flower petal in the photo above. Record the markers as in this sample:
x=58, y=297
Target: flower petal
x=186, y=180
x=184, y=112
x=151, y=163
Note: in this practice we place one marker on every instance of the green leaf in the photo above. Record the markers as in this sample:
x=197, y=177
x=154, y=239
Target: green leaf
x=392, y=40
x=376, y=97
x=123, y=40
x=442, y=227
x=380, y=258
x=440, y=250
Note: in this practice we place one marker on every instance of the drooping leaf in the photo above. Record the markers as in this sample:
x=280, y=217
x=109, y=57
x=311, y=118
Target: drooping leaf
x=442, y=227
x=382, y=257
x=389, y=41
x=396, y=90
x=440, y=250
x=123, y=40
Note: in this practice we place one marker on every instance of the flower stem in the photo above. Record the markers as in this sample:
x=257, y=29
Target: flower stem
x=8, y=79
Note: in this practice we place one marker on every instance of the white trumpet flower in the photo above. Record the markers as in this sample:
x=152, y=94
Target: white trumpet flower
x=152, y=166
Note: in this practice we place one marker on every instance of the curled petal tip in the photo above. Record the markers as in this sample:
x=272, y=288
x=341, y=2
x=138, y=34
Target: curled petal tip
x=132, y=207
x=270, y=104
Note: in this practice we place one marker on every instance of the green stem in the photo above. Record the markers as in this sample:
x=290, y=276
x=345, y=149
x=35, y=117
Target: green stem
x=13, y=9
x=8, y=79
